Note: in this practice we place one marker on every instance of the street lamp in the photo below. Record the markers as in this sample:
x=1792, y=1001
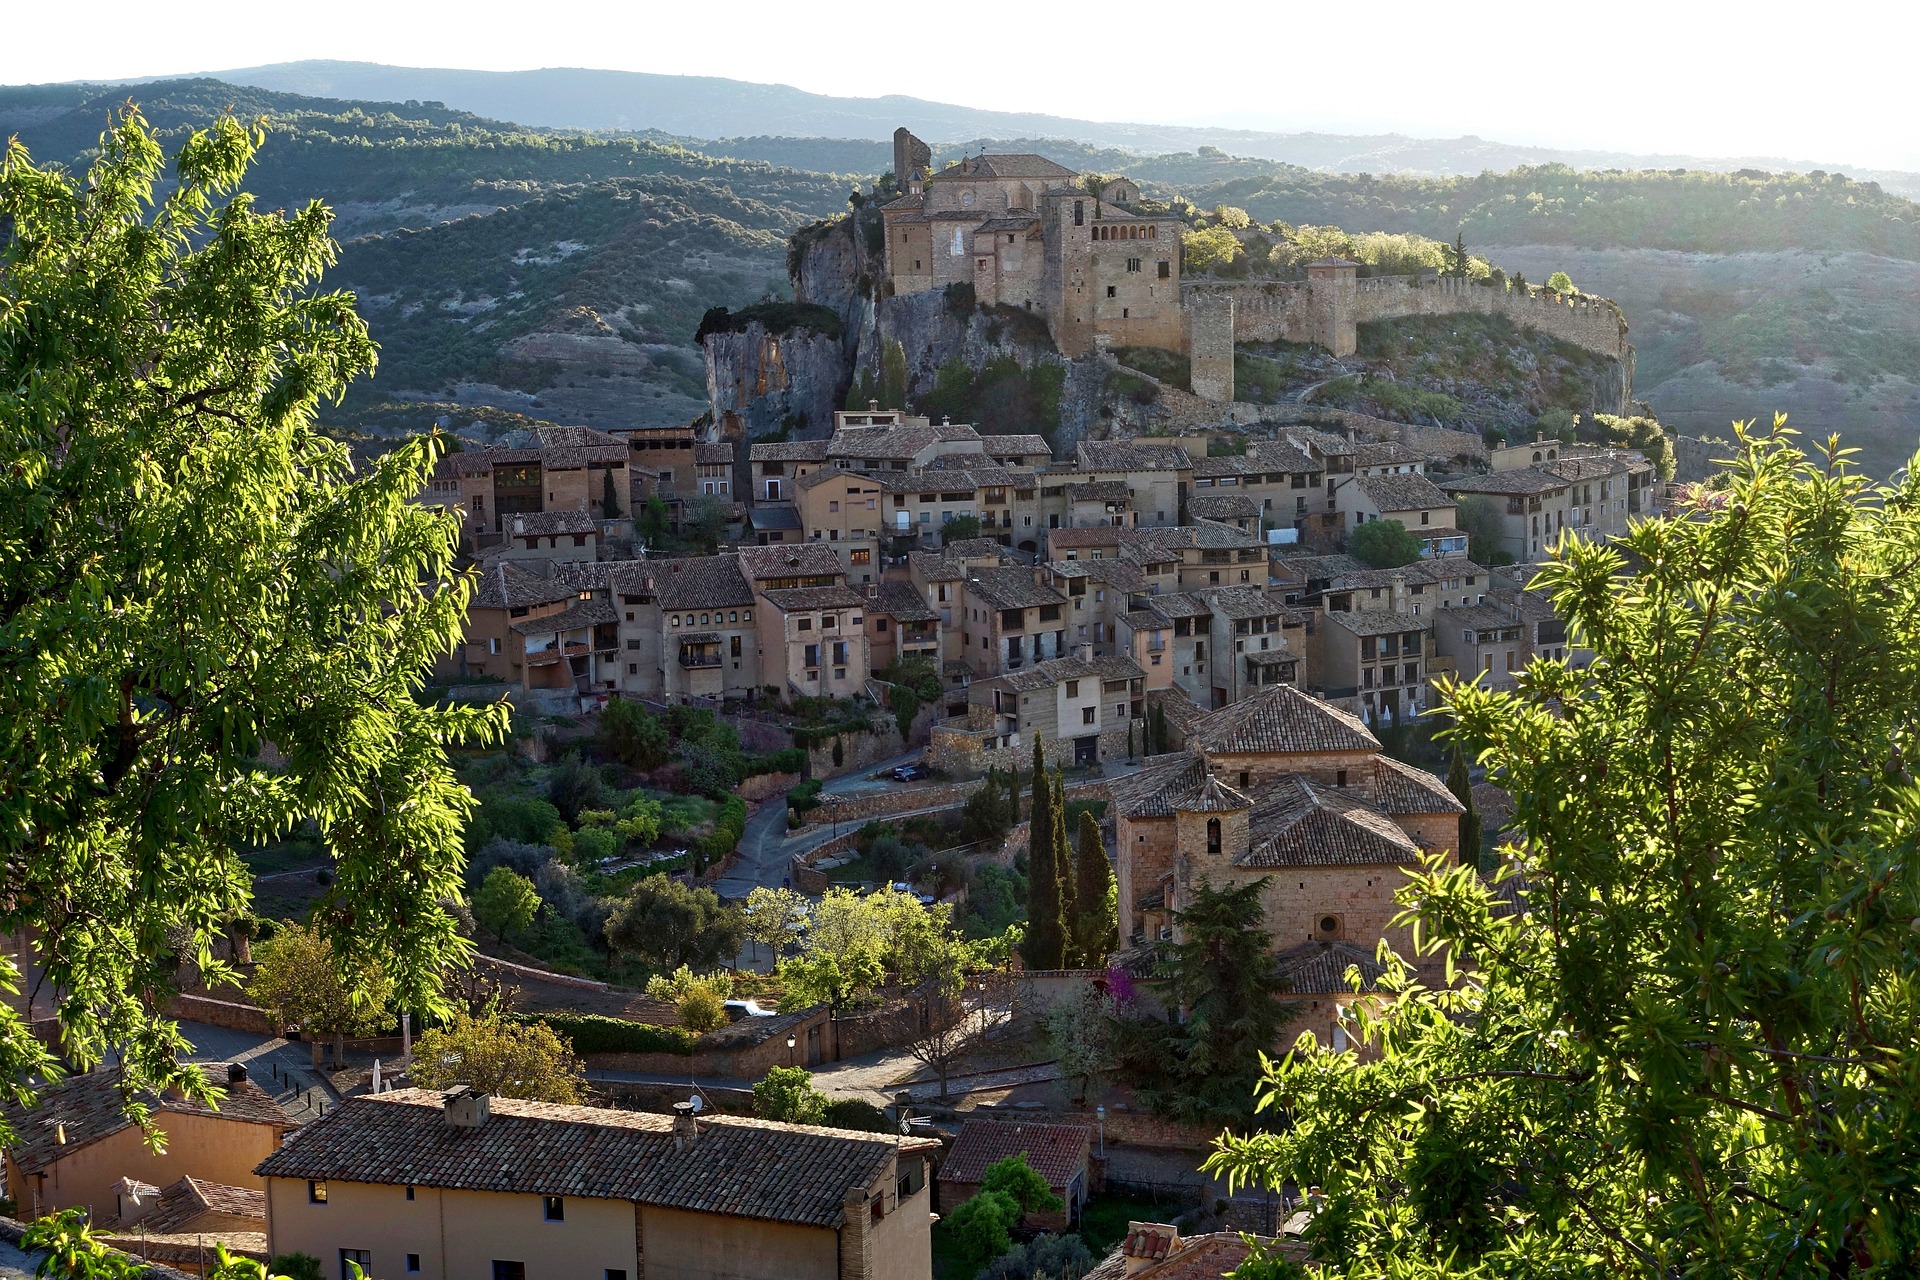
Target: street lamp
x=1101, y=1112
x=790, y=1039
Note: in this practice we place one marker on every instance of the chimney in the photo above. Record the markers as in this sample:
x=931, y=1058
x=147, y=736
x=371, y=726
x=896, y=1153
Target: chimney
x=685, y=1128
x=1401, y=599
x=466, y=1108
x=1147, y=1243
x=873, y=406
x=1084, y=652
x=236, y=1073
x=856, y=1237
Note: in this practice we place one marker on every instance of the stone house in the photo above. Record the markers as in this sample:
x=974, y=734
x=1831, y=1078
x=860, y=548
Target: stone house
x=686, y=628
x=563, y=469
x=1599, y=486
x=920, y=503
x=900, y=624
x=1097, y=591
x=1157, y=1251
x=1158, y=477
x=1387, y=458
x=1060, y=1153
x=505, y=593
x=1532, y=506
x=564, y=537
x=1008, y=620
x=76, y=1147
x=844, y=511
x=1209, y=555
x=1374, y=661
x=1093, y=543
x=774, y=468
x=670, y=454
x=1098, y=502
x=1235, y=510
x=173, y=1224
x=417, y=1182
x=1282, y=482
x=1221, y=644
x=1283, y=788
x=713, y=470
x=1080, y=707
x=577, y=648
x=1412, y=499
x=813, y=641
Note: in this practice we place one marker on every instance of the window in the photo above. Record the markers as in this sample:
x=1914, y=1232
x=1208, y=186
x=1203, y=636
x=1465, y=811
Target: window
x=509, y=1270
x=316, y=1191
x=355, y=1262
x=1340, y=778
x=1133, y=264
x=1079, y=214
x=1073, y=686
x=1087, y=715
x=812, y=655
x=409, y=1193
x=1113, y=291
x=959, y=242
x=413, y=1263
x=1213, y=836
x=616, y=1273
x=804, y=624
x=833, y=506
x=1166, y=269
x=553, y=1208
x=493, y=645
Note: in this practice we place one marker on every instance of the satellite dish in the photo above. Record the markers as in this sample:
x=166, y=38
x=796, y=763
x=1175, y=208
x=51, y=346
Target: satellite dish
x=695, y=1103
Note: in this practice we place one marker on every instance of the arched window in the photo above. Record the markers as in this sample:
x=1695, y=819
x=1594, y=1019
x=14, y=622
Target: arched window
x=1213, y=836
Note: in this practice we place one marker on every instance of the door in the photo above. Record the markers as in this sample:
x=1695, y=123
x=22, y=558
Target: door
x=1086, y=750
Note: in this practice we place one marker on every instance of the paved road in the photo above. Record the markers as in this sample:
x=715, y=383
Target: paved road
x=281, y=1067
x=766, y=851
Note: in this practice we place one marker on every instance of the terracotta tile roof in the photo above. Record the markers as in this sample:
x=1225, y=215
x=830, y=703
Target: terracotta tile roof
x=1281, y=719
x=1056, y=1151
x=1127, y=455
x=1010, y=589
x=788, y=451
x=1479, y=617
x=1240, y=603
x=1279, y=455
x=1323, y=443
x=1212, y=796
x=502, y=586
x=1311, y=568
x=1150, y=1240
x=1409, y=492
x=1300, y=823
x=1398, y=787
x=743, y=1168
x=1011, y=445
x=1206, y=1257
x=713, y=455
x=700, y=582
x=1019, y=164
x=582, y=613
x=89, y=1107
x=1526, y=480
x=575, y=438
x=935, y=566
x=1232, y=464
x=1098, y=491
x=899, y=601
x=1179, y=604
x=1099, y=535
x=1576, y=468
x=789, y=599
x=545, y=523
x=1207, y=535
x=588, y=575
x=1378, y=622
x=1320, y=968
x=190, y=1199
x=1222, y=506
x=1148, y=792
x=1384, y=453
x=784, y=560
x=1054, y=671
x=881, y=443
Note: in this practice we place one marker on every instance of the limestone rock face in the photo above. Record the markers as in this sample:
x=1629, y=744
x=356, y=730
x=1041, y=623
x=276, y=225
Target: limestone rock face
x=759, y=382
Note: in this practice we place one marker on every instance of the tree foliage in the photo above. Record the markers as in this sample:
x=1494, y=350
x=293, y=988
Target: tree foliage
x=303, y=980
x=1220, y=974
x=1383, y=544
x=1096, y=920
x=506, y=903
x=668, y=923
x=508, y=1059
x=787, y=1094
x=1045, y=946
x=630, y=734
x=776, y=917
x=189, y=570
x=1480, y=518
x=1460, y=782
x=1695, y=1052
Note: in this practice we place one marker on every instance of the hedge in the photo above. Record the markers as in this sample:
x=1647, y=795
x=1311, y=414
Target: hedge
x=595, y=1033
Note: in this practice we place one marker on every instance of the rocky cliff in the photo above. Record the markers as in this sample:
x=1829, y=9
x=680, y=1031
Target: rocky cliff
x=761, y=383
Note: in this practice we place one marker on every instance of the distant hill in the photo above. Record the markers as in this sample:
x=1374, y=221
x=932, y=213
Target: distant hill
x=712, y=107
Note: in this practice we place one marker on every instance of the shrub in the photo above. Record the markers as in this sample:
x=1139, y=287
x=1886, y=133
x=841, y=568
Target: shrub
x=575, y=785
x=857, y=1113
x=296, y=1266
x=594, y=1033
x=631, y=735
x=787, y=1094
x=701, y=1009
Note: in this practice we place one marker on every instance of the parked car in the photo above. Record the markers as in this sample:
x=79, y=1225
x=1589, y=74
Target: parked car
x=911, y=773
x=738, y=1009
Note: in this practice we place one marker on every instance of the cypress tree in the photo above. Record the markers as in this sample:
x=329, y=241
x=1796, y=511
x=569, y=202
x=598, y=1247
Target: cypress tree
x=1046, y=928
x=1013, y=794
x=1063, y=875
x=1460, y=782
x=1130, y=751
x=1096, y=923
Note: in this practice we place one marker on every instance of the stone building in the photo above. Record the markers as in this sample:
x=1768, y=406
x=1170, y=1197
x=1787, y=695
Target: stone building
x=454, y=1185
x=1082, y=708
x=1280, y=788
x=572, y=469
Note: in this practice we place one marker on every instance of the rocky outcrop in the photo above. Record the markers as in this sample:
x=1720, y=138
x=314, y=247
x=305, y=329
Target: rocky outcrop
x=759, y=383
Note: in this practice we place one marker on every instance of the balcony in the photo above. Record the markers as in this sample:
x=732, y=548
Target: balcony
x=699, y=658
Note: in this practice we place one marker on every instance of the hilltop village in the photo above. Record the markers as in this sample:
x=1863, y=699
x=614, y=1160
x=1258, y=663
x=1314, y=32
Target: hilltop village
x=1214, y=645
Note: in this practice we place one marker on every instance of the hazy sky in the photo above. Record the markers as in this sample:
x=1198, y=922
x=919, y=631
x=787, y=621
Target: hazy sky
x=1828, y=82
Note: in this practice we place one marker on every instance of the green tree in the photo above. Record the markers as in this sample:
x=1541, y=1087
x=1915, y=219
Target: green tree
x=980, y=1228
x=1696, y=1054
x=1480, y=518
x=1383, y=544
x=959, y=529
x=655, y=521
x=1013, y=793
x=1460, y=782
x=609, y=498
x=1063, y=871
x=787, y=1094
x=1561, y=282
x=189, y=570
x=893, y=376
x=506, y=903
x=1220, y=974
x=296, y=1266
x=984, y=818
x=302, y=980
x=1644, y=434
x=1208, y=249
x=667, y=923
x=1096, y=920
x=1158, y=723
x=74, y=1252
x=821, y=978
x=1080, y=1031
x=775, y=918
x=527, y=1060
x=704, y=521
x=1557, y=424
x=1021, y=1183
x=575, y=785
x=630, y=734
x=1046, y=940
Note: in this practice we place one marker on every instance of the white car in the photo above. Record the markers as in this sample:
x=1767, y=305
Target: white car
x=738, y=1009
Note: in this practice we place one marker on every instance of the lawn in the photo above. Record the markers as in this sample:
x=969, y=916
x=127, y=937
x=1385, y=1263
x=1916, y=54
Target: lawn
x=1103, y=1221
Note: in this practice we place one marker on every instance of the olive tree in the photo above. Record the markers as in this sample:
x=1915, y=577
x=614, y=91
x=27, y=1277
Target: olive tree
x=213, y=619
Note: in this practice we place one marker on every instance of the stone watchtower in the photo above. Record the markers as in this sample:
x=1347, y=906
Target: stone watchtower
x=1210, y=344
x=1333, y=288
x=1213, y=828
x=912, y=161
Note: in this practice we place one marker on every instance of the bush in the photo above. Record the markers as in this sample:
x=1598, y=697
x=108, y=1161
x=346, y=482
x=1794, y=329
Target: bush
x=805, y=796
x=575, y=785
x=594, y=1033
x=1383, y=544
x=296, y=1266
x=632, y=735
x=591, y=844
x=774, y=317
x=787, y=1094
x=701, y=1009
x=511, y=815
x=857, y=1113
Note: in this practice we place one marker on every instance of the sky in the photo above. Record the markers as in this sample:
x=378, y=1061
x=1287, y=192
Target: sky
x=1822, y=83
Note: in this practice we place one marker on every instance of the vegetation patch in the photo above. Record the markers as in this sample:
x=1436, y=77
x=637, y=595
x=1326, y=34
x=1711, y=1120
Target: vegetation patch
x=778, y=318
